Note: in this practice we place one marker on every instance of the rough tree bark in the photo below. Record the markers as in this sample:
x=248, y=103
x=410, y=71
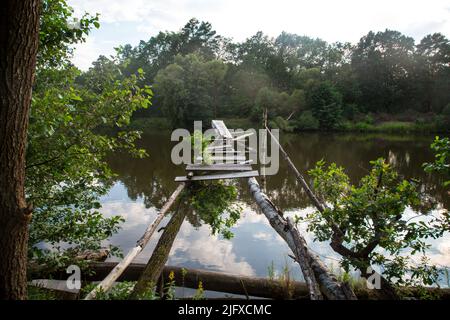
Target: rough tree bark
x=159, y=257
x=19, y=30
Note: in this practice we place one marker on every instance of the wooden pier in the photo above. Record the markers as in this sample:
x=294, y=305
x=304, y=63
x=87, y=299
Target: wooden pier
x=224, y=161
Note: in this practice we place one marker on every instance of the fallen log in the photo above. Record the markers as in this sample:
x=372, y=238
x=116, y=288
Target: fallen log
x=109, y=280
x=318, y=279
x=190, y=278
x=214, y=281
x=160, y=255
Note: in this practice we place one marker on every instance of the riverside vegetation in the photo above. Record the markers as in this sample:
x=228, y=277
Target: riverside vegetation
x=385, y=82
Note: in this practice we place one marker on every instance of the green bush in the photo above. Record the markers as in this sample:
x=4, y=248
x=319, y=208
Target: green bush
x=349, y=111
x=446, y=110
x=325, y=102
x=369, y=119
x=282, y=124
x=396, y=126
x=307, y=121
x=363, y=126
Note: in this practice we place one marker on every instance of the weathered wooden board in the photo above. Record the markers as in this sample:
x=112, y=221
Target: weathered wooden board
x=220, y=147
x=218, y=167
x=232, y=175
x=243, y=136
x=221, y=128
x=224, y=158
x=228, y=153
x=242, y=143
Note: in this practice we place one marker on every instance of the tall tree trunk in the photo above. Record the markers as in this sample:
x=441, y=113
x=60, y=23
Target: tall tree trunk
x=19, y=31
x=160, y=255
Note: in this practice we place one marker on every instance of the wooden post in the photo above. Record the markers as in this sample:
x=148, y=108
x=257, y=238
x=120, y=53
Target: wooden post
x=319, y=280
x=107, y=283
x=160, y=255
x=264, y=153
x=299, y=176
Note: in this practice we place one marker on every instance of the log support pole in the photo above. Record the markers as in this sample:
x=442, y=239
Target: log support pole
x=321, y=283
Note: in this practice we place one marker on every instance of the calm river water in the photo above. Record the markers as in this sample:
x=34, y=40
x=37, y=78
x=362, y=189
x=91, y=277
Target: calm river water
x=143, y=185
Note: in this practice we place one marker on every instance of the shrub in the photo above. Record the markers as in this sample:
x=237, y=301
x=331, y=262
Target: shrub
x=282, y=124
x=446, y=110
x=307, y=121
x=349, y=111
x=325, y=102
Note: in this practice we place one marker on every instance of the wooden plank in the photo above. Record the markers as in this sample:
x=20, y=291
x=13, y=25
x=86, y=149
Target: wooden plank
x=228, y=153
x=224, y=158
x=228, y=146
x=218, y=167
x=242, y=143
x=232, y=175
x=243, y=136
x=221, y=128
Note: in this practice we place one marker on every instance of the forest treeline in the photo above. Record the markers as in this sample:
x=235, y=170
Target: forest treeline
x=304, y=83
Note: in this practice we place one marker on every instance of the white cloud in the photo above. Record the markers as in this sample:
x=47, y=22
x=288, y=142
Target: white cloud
x=262, y=236
x=87, y=52
x=208, y=250
x=330, y=20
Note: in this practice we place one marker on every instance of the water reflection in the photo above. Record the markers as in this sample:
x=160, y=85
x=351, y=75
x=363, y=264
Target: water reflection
x=144, y=184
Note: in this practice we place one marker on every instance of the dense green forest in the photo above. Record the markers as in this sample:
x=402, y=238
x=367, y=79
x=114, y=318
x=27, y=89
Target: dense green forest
x=387, y=78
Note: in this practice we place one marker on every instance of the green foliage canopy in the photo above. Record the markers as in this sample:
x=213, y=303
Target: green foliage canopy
x=368, y=226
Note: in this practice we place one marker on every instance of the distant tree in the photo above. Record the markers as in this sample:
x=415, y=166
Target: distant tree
x=307, y=121
x=382, y=63
x=301, y=52
x=186, y=89
x=243, y=86
x=306, y=79
x=160, y=50
x=266, y=99
x=215, y=73
x=297, y=102
x=325, y=102
x=103, y=73
x=432, y=72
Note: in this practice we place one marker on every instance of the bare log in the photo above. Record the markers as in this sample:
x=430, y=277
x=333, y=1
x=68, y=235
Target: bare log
x=318, y=278
x=109, y=280
x=215, y=281
x=317, y=203
x=159, y=256
x=190, y=278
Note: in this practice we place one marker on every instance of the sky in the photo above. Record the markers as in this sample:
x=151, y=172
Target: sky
x=129, y=21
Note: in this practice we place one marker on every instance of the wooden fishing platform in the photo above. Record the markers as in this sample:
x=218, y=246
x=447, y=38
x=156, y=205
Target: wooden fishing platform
x=223, y=161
